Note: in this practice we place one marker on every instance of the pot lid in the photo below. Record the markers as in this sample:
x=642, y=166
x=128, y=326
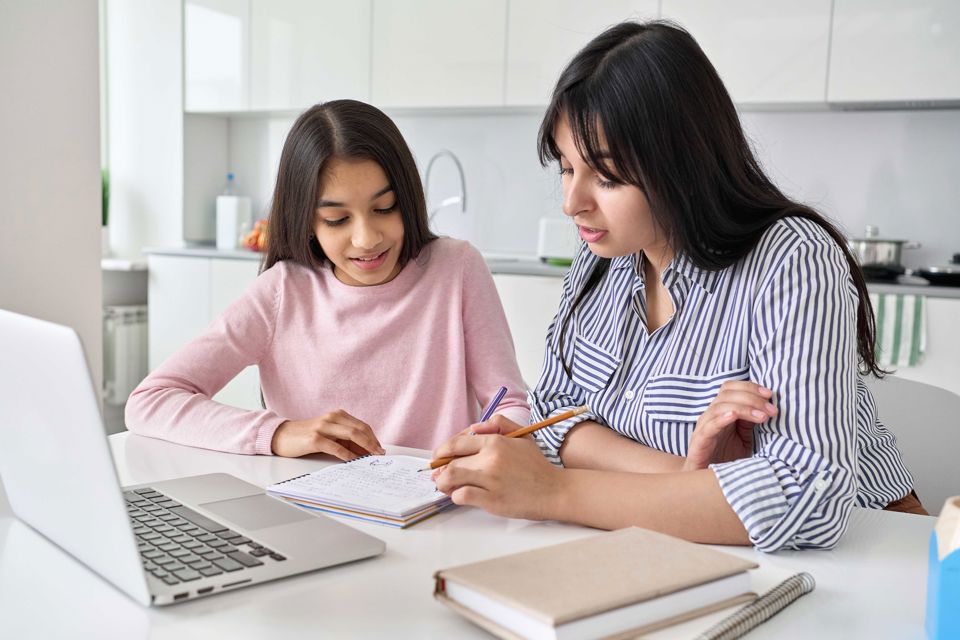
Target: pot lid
x=871, y=233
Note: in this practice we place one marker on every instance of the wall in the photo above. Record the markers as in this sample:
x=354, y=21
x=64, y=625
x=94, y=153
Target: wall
x=895, y=169
x=50, y=166
x=145, y=112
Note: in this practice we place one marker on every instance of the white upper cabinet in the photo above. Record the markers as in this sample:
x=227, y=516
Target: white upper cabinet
x=216, y=55
x=543, y=35
x=766, y=51
x=895, y=50
x=438, y=53
x=308, y=51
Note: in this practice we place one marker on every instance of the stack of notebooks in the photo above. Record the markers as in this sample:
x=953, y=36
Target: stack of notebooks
x=387, y=490
x=619, y=584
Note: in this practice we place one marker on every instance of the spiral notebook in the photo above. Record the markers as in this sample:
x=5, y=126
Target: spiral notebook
x=387, y=490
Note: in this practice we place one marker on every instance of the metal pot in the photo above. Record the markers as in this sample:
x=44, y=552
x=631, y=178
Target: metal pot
x=942, y=275
x=874, y=252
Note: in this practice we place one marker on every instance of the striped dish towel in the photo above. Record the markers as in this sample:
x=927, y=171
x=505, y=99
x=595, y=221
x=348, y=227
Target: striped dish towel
x=901, y=328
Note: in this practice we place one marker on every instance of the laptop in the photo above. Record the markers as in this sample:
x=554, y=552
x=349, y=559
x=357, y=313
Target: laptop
x=162, y=542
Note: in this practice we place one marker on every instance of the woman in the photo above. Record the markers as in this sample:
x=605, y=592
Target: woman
x=713, y=326
x=365, y=327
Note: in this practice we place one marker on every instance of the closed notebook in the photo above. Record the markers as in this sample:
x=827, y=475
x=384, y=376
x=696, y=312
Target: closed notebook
x=611, y=585
x=383, y=489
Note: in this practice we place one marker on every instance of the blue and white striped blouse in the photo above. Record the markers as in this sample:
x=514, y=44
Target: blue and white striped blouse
x=785, y=317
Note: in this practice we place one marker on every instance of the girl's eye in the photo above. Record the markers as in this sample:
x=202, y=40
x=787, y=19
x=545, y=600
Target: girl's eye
x=334, y=223
x=387, y=210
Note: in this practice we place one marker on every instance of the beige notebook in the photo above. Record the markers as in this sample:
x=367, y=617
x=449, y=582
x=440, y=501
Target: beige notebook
x=614, y=584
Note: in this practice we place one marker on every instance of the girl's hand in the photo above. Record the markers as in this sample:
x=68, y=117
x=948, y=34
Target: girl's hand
x=725, y=430
x=337, y=433
x=504, y=476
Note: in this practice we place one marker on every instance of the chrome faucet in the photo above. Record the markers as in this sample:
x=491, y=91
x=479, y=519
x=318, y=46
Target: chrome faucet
x=460, y=199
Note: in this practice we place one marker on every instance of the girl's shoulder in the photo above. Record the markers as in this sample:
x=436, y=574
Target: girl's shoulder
x=449, y=253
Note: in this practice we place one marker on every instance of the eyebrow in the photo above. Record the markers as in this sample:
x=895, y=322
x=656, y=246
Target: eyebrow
x=331, y=203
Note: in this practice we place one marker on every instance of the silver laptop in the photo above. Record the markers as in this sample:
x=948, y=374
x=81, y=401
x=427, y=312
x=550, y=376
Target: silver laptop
x=160, y=543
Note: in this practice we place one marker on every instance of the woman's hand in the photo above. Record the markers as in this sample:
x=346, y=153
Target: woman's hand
x=725, y=430
x=337, y=433
x=504, y=476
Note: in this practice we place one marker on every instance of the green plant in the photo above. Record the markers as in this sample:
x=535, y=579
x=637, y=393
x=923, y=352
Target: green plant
x=105, y=196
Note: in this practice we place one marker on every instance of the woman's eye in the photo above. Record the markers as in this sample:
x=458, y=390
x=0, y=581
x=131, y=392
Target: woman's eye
x=386, y=210
x=334, y=223
x=566, y=171
x=606, y=184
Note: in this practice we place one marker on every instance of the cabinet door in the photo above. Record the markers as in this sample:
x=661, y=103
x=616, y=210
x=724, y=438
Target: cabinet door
x=543, y=35
x=179, y=310
x=308, y=51
x=438, y=53
x=216, y=59
x=766, y=51
x=228, y=280
x=530, y=302
x=894, y=50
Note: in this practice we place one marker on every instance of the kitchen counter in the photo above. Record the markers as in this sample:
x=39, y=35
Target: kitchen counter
x=529, y=265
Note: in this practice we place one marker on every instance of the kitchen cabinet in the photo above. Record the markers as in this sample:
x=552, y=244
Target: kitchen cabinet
x=766, y=51
x=308, y=51
x=543, y=35
x=438, y=53
x=529, y=302
x=216, y=55
x=890, y=50
x=186, y=294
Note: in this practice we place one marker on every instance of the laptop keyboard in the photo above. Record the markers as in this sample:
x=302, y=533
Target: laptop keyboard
x=178, y=545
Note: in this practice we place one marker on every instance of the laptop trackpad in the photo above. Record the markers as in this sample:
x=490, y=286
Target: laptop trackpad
x=256, y=512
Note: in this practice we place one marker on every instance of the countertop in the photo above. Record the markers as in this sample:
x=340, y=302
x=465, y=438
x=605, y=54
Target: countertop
x=530, y=265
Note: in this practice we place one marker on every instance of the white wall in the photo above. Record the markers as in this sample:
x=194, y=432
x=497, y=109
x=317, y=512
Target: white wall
x=50, y=165
x=145, y=113
x=899, y=170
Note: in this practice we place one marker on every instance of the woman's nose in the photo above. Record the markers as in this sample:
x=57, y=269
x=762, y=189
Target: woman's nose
x=576, y=196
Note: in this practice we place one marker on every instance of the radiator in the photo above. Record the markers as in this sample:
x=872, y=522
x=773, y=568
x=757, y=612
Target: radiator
x=124, y=351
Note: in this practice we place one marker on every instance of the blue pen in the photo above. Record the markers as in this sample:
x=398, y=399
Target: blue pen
x=498, y=396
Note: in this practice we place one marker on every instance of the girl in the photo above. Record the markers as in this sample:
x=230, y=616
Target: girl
x=712, y=325
x=365, y=327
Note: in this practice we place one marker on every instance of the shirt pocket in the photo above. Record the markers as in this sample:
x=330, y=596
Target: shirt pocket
x=678, y=397
x=592, y=365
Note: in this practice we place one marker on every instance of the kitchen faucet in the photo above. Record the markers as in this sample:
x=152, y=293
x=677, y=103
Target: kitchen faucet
x=460, y=199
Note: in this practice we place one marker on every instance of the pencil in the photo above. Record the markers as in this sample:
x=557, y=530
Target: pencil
x=519, y=433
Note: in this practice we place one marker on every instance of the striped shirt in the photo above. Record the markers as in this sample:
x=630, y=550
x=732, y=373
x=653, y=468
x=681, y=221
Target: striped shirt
x=784, y=317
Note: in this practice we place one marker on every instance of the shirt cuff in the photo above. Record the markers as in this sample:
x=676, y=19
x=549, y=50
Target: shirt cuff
x=551, y=438
x=772, y=505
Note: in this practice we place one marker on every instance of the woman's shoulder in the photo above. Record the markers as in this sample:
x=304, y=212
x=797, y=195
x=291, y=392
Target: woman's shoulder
x=792, y=231
x=791, y=239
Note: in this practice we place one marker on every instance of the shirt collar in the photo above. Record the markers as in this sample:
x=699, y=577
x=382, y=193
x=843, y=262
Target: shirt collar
x=680, y=266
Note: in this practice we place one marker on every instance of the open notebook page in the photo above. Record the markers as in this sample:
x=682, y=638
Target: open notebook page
x=388, y=485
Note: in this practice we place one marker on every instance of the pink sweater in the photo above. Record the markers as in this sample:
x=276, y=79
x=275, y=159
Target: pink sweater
x=414, y=358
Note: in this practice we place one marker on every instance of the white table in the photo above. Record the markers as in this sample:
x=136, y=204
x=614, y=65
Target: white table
x=872, y=586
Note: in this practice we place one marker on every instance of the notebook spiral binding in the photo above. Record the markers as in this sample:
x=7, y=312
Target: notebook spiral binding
x=304, y=475
x=761, y=609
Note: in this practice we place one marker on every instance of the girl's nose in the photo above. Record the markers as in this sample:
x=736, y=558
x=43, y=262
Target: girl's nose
x=366, y=235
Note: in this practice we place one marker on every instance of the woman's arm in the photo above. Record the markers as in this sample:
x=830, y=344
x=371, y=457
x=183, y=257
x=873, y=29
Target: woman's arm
x=509, y=477
x=590, y=445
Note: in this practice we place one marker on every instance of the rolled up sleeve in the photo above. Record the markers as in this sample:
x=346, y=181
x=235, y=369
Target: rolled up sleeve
x=798, y=489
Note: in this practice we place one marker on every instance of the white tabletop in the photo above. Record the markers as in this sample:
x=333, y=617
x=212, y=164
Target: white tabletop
x=872, y=586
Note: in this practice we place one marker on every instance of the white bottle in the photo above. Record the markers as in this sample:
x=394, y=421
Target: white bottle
x=233, y=213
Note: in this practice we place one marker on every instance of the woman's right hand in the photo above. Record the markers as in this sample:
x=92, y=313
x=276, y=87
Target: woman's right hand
x=337, y=433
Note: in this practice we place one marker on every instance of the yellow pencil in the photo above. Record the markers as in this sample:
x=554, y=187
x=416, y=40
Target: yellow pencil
x=519, y=433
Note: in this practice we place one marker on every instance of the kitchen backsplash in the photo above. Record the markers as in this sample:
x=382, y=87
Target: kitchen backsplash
x=898, y=170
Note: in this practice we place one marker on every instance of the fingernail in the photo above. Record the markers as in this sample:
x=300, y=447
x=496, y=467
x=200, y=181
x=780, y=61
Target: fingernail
x=758, y=414
x=770, y=408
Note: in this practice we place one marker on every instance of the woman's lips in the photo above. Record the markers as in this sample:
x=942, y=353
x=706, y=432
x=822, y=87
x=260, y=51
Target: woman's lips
x=371, y=264
x=590, y=235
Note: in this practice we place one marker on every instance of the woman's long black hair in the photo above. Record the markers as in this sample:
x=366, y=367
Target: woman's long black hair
x=348, y=130
x=647, y=108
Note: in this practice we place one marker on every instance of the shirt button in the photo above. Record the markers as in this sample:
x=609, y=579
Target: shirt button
x=629, y=394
